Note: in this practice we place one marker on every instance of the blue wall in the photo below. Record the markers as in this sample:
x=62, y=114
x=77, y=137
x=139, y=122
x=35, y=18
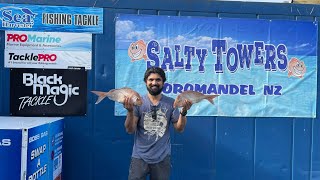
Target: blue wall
x=219, y=148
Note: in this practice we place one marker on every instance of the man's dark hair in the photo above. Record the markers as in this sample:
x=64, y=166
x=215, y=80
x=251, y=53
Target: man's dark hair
x=156, y=70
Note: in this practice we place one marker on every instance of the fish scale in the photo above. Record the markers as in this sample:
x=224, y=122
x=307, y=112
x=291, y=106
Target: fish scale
x=192, y=96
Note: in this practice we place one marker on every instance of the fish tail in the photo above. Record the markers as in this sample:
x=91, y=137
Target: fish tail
x=101, y=95
x=211, y=97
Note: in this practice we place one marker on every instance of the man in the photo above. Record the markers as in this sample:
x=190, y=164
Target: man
x=150, y=123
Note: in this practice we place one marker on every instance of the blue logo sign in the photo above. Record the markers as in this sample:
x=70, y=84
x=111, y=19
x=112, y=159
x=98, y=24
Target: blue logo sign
x=51, y=18
x=14, y=17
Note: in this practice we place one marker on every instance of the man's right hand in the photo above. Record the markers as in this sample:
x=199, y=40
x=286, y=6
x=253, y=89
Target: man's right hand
x=128, y=104
x=131, y=120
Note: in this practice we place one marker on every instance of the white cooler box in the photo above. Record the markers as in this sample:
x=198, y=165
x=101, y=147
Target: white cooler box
x=31, y=148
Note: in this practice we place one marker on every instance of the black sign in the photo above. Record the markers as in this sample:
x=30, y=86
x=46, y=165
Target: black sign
x=48, y=92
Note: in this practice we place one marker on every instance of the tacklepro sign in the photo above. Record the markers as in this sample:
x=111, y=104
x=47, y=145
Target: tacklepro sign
x=46, y=59
x=50, y=92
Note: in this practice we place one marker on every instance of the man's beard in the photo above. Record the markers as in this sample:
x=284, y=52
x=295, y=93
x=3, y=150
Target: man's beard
x=154, y=92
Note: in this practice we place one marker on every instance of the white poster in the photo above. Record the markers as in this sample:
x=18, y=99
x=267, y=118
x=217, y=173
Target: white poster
x=46, y=59
x=28, y=40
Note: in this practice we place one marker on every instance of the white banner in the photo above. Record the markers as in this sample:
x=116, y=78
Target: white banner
x=46, y=59
x=48, y=41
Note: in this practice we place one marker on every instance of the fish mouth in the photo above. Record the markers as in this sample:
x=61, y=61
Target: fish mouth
x=297, y=72
x=137, y=54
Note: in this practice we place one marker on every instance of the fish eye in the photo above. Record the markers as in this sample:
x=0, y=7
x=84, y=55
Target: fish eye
x=137, y=46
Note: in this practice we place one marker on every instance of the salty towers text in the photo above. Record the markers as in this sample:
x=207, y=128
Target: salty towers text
x=269, y=56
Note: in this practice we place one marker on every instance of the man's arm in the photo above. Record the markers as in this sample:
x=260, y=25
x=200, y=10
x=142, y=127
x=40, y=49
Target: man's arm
x=182, y=120
x=131, y=121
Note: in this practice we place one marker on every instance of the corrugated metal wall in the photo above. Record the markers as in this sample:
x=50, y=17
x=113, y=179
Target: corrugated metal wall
x=220, y=148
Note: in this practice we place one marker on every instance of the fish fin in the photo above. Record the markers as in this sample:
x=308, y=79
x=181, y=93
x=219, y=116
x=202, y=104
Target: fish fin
x=289, y=74
x=211, y=97
x=101, y=95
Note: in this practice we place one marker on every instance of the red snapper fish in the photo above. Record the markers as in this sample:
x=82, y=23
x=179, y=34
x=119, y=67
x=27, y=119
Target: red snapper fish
x=192, y=96
x=119, y=95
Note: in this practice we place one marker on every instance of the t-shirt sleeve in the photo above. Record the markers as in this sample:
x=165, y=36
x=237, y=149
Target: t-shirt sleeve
x=175, y=115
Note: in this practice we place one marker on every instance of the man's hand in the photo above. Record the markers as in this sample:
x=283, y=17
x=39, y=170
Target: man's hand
x=128, y=104
x=186, y=106
x=131, y=120
x=182, y=121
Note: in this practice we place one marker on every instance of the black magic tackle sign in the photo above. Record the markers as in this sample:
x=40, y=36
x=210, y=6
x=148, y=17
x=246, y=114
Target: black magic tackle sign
x=50, y=92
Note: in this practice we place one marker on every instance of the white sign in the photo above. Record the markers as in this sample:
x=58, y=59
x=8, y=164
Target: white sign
x=48, y=41
x=47, y=59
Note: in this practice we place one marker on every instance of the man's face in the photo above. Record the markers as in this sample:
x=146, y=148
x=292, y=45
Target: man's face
x=154, y=84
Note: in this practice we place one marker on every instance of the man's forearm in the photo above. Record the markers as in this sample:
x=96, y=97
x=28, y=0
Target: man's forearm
x=181, y=124
x=130, y=124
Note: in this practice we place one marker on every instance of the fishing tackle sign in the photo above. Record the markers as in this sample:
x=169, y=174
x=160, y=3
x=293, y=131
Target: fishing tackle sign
x=48, y=92
x=54, y=18
x=255, y=66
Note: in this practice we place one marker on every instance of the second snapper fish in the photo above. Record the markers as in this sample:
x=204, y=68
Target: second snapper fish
x=119, y=95
x=192, y=96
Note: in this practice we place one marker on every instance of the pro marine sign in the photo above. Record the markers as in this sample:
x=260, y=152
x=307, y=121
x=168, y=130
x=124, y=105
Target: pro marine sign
x=57, y=41
x=259, y=68
x=50, y=92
